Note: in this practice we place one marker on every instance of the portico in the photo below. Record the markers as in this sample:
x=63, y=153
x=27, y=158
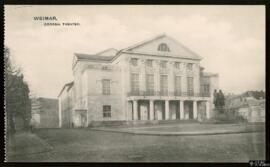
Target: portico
x=166, y=109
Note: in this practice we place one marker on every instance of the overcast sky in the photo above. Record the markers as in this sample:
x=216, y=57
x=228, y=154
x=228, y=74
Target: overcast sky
x=231, y=39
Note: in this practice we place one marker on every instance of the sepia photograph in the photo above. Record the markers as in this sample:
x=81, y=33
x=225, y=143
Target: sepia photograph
x=134, y=83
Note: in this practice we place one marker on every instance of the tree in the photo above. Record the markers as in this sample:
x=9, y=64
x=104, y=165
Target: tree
x=17, y=101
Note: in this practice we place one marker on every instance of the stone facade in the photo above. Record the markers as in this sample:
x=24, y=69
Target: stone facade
x=158, y=79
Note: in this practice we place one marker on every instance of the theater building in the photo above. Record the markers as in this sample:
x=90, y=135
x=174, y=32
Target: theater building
x=158, y=79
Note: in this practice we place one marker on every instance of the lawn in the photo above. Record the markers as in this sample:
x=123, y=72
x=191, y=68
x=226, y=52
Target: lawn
x=86, y=145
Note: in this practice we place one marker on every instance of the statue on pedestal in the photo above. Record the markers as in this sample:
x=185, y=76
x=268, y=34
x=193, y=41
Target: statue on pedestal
x=219, y=101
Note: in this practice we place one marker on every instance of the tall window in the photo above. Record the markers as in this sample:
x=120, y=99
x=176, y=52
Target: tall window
x=190, y=86
x=206, y=90
x=135, y=83
x=134, y=61
x=163, y=64
x=178, y=85
x=164, y=85
x=189, y=66
x=150, y=84
x=163, y=47
x=106, y=87
x=149, y=63
x=106, y=111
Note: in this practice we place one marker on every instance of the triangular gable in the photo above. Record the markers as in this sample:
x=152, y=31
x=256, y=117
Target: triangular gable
x=150, y=47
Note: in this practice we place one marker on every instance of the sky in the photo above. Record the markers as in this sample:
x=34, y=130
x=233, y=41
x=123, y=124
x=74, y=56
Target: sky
x=231, y=39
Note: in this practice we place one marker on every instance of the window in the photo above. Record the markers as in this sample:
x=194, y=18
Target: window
x=106, y=111
x=134, y=61
x=178, y=85
x=164, y=84
x=163, y=64
x=135, y=83
x=150, y=84
x=106, y=86
x=163, y=47
x=177, y=65
x=189, y=66
x=190, y=86
x=105, y=67
x=206, y=89
x=149, y=63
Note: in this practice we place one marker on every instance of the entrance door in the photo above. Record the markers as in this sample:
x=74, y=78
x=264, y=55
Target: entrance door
x=81, y=118
x=144, y=112
x=160, y=110
x=188, y=110
x=173, y=110
x=84, y=118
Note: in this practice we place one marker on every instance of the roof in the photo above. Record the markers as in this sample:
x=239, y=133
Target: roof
x=208, y=74
x=143, y=42
x=93, y=57
x=68, y=85
x=110, y=54
x=107, y=52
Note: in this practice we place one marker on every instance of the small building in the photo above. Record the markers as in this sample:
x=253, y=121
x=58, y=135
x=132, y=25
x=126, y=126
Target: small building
x=253, y=110
x=67, y=118
x=45, y=112
x=157, y=79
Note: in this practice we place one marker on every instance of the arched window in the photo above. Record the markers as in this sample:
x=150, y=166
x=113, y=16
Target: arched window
x=163, y=47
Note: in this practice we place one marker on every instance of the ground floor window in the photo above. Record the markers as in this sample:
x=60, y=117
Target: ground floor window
x=106, y=111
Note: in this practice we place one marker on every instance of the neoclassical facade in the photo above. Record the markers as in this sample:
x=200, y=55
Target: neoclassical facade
x=158, y=79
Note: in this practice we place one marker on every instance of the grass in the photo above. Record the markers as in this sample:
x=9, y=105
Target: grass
x=25, y=142
x=84, y=145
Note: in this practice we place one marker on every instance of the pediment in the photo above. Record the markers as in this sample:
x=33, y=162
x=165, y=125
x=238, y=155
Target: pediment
x=152, y=47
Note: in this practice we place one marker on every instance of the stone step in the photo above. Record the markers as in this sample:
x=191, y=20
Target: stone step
x=177, y=121
x=138, y=122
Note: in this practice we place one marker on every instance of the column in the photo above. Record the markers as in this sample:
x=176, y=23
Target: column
x=60, y=113
x=195, y=114
x=135, y=110
x=167, y=110
x=151, y=103
x=207, y=109
x=128, y=111
x=87, y=121
x=181, y=108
